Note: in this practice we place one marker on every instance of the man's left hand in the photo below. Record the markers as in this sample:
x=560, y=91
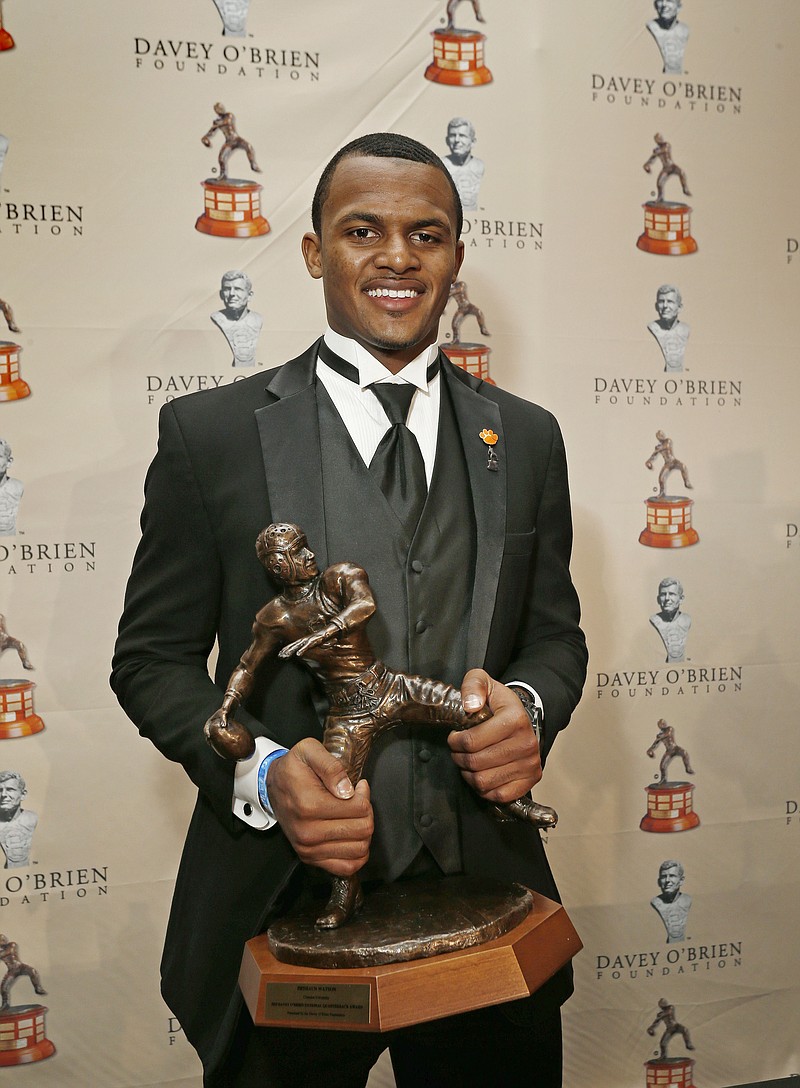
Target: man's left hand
x=499, y=758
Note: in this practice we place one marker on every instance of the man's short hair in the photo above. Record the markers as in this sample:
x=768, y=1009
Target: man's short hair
x=382, y=145
x=235, y=275
x=670, y=582
x=665, y=287
x=457, y=122
x=671, y=865
x=6, y=776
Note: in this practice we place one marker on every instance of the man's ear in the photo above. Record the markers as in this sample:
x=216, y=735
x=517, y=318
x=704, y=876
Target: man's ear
x=459, y=258
x=312, y=255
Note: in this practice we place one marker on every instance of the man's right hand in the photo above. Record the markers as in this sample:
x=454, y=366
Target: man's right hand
x=327, y=821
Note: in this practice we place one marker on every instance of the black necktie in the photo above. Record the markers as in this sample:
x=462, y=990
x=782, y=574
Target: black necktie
x=398, y=466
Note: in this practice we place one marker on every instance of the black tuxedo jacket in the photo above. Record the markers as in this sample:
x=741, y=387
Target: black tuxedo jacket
x=230, y=461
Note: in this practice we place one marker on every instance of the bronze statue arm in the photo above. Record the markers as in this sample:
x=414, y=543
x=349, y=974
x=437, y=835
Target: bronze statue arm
x=229, y=738
x=351, y=583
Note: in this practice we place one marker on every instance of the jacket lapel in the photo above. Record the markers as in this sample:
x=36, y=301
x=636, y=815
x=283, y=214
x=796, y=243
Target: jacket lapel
x=475, y=413
x=290, y=447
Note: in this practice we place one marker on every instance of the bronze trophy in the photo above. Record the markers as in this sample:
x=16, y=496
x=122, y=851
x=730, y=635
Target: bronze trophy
x=232, y=205
x=385, y=950
x=667, y=223
x=470, y=356
x=669, y=517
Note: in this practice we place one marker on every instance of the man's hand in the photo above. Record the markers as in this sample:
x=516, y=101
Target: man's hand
x=328, y=823
x=500, y=757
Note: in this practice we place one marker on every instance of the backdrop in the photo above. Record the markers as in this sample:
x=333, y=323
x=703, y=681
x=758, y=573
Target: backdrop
x=109, y=288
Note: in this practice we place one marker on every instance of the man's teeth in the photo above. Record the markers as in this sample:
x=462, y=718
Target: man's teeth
x=390, y=292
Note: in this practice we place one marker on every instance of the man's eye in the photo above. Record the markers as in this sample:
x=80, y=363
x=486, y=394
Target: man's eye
x=427, y=239
x=363, y=233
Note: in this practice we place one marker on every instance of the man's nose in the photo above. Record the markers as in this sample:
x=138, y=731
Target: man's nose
x=397, y=253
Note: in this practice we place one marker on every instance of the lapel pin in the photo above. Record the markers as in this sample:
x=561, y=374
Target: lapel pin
x=489, y=438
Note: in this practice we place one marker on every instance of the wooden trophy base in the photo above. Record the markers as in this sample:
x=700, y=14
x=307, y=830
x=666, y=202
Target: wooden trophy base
x=670, y=1073
x=17, y=717
x=670, y=807
x=394, y=995
x=667, y=229
x=474, y=358
x=6, y=42
x=669, y=523
x=233, y=209
x=22, y=1035
x=12, y=387
x=458, y=59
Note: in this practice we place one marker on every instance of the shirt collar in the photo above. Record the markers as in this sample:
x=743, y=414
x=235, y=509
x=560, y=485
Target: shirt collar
x=371, y=370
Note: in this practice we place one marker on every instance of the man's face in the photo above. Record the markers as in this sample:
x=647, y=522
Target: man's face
x=669, y=598
x=669, y=881
x=234, y=294
x=387, y=254
x=10, y=797
x=296, y=564
x=5, y=458
x=667, y=305
x=667, y=10
x=459, y=140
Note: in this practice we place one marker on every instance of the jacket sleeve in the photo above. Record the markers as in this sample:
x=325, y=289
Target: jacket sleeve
x=169, y=624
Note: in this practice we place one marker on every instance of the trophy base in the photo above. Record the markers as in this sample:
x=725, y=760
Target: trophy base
x=667, y=229
x=6, y=42
x=458, y=59
x=12, y=387
x=669, y=523
x=670, y=1073
x=17, y=717
x=394, y=995
x=670, y=807
x=232, y=209
x=474, y=358
x=22, y=1035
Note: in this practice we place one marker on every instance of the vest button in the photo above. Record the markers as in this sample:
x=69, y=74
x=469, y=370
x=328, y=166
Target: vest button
x=420, y=626
x=418, y=566
x=425, y=755
x=426, y=820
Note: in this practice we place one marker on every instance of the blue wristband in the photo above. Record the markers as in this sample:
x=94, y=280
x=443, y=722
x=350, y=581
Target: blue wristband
x=263, y=796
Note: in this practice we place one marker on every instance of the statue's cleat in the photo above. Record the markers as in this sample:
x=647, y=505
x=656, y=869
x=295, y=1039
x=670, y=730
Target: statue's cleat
x=528, y=811
x=346, y=899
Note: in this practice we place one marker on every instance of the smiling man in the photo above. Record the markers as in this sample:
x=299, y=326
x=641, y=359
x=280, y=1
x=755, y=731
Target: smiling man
x=468, y=559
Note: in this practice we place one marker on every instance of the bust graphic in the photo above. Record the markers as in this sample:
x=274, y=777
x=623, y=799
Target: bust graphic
x=239, y=325
x=10, y=493
x=671, y=624
x=234, y=17
x=16, y=823
x=671, y=333
x=670, y=35
x=3, y=150
x=672, y=904
x=465, y=168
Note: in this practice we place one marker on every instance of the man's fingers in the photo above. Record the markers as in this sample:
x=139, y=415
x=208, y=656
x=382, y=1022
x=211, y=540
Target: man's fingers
x=475, y=690
x=328, y=769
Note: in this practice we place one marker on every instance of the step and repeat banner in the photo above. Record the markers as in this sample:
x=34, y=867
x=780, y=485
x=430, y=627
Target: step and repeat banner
x=629, y=176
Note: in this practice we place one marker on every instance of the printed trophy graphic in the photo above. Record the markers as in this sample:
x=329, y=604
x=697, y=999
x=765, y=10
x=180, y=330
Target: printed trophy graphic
x=458, y=55
x=466, y=169
x=667, y=223
x=670, y=34
x=234, y=17
x=663, y=1071
x=10, y=493
x=319, y=618
x=17, y=717
x=232, y=206
x=237, y=322
x=12, y=387
x=672, y=904
x=23, y=1038
x=670, y=805
x=6, y=41
x=472, y=357
x=669, y=517
x=17, y=824
x=670, y=332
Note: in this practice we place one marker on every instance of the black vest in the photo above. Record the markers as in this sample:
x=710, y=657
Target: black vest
x=423, y=589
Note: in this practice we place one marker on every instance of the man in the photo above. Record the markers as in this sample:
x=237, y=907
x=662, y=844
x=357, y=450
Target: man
x=663, y=152
x=237, y=322
x=225, y=123
x=17, y=824
x=671, y=624
x=670, y=35
x=670, y=332
x=672, y=904
x=466, y=169
x=482, y=580
x=11, y=491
